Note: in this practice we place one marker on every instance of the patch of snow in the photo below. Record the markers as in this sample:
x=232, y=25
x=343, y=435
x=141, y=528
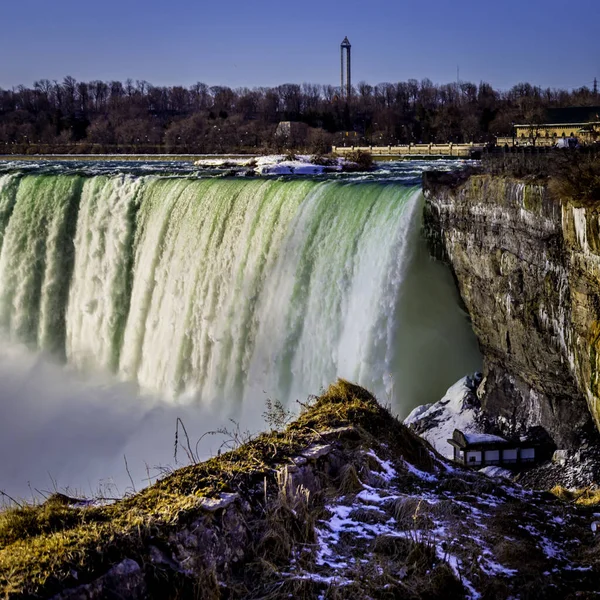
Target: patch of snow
x=372, y=496
x=456, y=566
x=550, y=550
x=452, y=412
x=491, y=567
x=388, y=470
x=430, y=477
x=416, y=413
x=319, y=578
x=496, y=472
x=291, y=167
x=276, y=164
x=224, y=162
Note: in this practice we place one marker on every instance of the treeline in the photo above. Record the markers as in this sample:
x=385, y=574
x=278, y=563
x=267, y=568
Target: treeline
x=99, y=116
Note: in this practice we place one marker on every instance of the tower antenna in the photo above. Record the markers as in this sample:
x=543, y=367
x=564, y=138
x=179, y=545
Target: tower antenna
x=595, y=85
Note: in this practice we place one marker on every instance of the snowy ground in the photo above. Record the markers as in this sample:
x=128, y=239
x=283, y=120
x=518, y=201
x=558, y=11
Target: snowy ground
x=496, y=537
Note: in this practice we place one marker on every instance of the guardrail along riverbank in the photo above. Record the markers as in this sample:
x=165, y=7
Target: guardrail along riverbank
x=470, y=150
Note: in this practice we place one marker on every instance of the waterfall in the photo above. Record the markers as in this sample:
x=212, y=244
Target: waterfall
x=221, y=290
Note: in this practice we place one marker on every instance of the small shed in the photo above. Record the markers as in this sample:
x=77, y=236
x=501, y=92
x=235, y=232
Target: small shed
x=482, y=449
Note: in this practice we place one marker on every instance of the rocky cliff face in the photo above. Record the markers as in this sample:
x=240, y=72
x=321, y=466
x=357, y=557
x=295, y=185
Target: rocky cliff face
x=528, y=269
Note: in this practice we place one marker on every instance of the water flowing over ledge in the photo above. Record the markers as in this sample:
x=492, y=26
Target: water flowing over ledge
x=223, y=289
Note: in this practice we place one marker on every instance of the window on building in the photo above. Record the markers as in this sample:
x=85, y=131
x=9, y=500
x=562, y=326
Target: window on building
x=527, y=454
x=492, y=457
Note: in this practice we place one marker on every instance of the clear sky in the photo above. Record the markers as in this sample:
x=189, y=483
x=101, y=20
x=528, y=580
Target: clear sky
x=261, y=42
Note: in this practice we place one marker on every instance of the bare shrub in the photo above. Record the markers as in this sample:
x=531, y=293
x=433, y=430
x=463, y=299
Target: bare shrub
x=577, y=177
x=362, y=159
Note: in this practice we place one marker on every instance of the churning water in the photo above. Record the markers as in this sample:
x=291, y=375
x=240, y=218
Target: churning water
x=207, y=294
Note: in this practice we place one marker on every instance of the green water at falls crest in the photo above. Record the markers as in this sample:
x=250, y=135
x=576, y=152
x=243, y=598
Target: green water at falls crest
x=226, y=289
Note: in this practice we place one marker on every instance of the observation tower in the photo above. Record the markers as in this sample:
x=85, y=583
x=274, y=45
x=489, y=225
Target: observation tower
x=346, y=84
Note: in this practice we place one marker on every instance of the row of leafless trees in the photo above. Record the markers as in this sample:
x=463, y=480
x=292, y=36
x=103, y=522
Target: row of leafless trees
x=113, y=116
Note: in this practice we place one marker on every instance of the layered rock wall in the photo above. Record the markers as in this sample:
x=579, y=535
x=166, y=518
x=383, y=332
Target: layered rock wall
x=528, y=269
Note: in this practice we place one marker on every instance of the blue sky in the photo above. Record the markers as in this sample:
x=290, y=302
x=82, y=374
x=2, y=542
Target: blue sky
x=263, y=42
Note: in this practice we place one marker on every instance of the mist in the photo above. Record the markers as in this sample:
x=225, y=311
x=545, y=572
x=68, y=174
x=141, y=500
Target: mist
x=64, y=430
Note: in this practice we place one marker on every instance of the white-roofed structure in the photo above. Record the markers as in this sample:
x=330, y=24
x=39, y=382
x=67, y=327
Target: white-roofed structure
x=482, y=449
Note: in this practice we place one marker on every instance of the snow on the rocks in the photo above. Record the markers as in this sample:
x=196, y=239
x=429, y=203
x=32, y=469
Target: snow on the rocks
x=418, y=473
x=346, y=527
x=277, y=164
x=453, y=411
x=388, y=470
x=495, y=472
x=466, y=518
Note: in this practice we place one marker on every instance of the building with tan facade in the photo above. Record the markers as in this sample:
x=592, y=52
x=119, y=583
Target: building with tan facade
x=581, y=122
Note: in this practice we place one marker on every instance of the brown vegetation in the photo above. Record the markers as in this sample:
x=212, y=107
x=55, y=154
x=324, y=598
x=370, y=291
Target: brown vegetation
x=584, y=497
x=252, y=522
x=572, y=174
x=362, y=159
x=47, y=547
x=577, y=177
x=137, y=117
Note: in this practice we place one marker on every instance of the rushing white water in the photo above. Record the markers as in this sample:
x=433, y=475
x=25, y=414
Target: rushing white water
x=206, y=295
x=218, y=290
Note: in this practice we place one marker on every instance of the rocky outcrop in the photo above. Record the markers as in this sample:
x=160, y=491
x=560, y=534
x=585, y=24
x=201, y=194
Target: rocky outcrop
x=127, y=577
x=528, y=269
x=345, y=503
x=460, y=408
x=241, y=525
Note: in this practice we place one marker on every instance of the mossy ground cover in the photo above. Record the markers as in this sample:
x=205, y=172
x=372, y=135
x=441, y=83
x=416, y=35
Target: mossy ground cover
x=42, y=546
x=345, y=502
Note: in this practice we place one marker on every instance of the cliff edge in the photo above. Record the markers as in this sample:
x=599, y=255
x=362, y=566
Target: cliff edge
x=527, y=264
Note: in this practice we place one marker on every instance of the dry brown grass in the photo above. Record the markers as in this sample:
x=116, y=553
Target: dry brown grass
x=344, y=403
x=289, y=522
x=42, y=546
x=585, y=497
x=349, y=481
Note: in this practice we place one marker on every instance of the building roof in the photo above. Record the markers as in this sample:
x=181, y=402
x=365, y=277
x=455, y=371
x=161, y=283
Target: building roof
x=573, y=114
x=478, y=441
x=550, y=125
x=484, y=441
x=483, y=438
x=564, y=117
